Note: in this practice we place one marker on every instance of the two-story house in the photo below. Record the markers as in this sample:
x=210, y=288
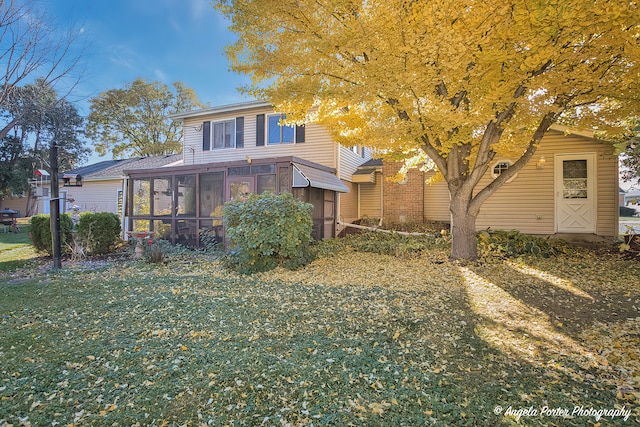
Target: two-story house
x=232, y=150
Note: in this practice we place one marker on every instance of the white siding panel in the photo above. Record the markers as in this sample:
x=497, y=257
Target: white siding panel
x=94, y=196
x=318, y=146
x=349, y=162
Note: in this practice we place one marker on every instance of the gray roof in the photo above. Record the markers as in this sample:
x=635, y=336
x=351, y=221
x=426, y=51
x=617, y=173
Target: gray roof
x=115, y=168
x=90, y=170
x=220, y=109
x=368, y=166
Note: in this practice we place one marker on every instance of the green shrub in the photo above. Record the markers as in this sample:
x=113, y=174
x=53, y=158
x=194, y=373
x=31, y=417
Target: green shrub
x=626, y=211
x=40, y=228
x=267, y=230
x=513, y=243
x=98, y=232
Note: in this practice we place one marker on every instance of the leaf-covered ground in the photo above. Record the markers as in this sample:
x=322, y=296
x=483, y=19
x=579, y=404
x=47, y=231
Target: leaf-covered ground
x=352, y=339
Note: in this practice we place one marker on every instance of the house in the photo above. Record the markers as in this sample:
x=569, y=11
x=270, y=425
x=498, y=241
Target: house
x=97, y=187
x=632, y=197
x=569, y=187
x=232, y=150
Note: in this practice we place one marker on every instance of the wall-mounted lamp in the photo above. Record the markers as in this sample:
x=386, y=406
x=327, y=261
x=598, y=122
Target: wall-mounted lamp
x=249, y=159
x=540, y=163
x=197, y=128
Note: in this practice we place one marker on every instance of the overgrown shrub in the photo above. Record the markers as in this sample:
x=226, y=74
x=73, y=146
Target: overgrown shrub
x=267, y=230
x=99, y=231
x=394, y=244
x=513, y=243
x=626, y=211
x=40, y=229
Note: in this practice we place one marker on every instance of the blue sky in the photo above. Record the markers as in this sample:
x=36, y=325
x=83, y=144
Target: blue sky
x=158, y=40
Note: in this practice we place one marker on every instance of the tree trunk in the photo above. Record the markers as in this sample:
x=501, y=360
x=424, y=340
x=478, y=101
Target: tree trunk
x=463, y=230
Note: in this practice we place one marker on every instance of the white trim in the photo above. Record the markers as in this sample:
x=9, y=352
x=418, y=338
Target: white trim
x=496, y=163
x=220, y=109
x=592, y=190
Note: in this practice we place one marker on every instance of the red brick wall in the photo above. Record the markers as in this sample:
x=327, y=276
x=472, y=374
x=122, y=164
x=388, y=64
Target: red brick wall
x=403, y=202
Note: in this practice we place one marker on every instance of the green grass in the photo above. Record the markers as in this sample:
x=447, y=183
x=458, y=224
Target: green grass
x=16, y=249
x=352, y=339
x=10, y=240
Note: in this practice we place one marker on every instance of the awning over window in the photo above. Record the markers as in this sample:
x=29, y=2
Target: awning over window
x=305, y=176
x=363, y=176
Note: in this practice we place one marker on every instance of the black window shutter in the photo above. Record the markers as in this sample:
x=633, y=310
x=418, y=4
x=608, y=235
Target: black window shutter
x=206, y=136
x=239, y=132
x=260, y=129
x=299, y=134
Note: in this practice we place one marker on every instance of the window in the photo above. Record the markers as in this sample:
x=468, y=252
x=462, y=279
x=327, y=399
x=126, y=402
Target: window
x=279, y=134
x=501, y=166
x=224, y=134
x=574, y=179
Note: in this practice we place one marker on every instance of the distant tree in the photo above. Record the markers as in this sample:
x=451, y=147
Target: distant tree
x=453, y=82
x=630, y=155
x=40, y=118
x=30, y=49
x=134, y=121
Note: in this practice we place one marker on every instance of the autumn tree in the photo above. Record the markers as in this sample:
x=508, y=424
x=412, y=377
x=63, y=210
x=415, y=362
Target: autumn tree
x=134, y=121
x=629, y=149
x=457, y=82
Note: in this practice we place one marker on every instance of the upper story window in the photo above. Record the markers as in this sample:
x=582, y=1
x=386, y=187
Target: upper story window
x=223, y=134
x=278, y=134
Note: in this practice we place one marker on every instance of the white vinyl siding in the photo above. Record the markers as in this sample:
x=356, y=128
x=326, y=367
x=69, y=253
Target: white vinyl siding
x=349, y=162
x=318, y=146
x=93, y=196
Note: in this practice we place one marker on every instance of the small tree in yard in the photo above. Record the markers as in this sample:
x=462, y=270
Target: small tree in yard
x=455, y=82
x=267, y=230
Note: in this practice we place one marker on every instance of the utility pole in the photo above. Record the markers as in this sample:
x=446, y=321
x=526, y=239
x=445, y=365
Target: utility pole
x=54, y=207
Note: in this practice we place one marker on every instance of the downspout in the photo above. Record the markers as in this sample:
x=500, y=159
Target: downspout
x=359, y=215
x=381, y=197
x=123, y=214
x=338, y=213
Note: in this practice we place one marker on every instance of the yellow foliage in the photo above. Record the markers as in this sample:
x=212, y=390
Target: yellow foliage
x=383, y=73
x=460, y=82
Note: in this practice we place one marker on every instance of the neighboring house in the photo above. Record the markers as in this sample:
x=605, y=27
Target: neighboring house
x=97, y=187
x=569, y=187
x=237, y=149
x=14, y=203
x=632, y=197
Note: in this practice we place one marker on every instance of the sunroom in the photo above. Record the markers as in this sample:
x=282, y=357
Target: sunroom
x=183, y=204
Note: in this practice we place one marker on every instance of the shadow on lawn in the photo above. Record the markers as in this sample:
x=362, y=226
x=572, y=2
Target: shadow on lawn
x=572, y=302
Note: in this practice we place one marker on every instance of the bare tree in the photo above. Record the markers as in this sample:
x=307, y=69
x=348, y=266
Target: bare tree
x=30, y=48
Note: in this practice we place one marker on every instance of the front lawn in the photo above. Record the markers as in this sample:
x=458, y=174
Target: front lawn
x=352, y=339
